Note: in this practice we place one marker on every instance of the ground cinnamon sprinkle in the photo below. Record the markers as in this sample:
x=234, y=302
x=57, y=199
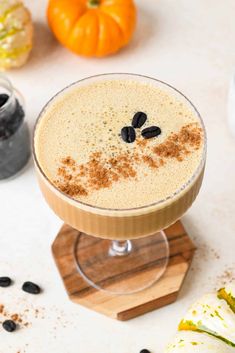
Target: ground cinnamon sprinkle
x=122, y=165
x=1, y=308
x=16, y=317
x=101, y=172
x=178, y=145
x=98, y=174
x=150, y=161
x=68, y=161
x=141, y=143
x=63, y=172
x=72, y=189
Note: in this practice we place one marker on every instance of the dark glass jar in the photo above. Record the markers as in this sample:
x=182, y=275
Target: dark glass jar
x=14, y=132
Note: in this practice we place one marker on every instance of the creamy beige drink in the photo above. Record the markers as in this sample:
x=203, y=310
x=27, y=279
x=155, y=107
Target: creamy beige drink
x=119, y=157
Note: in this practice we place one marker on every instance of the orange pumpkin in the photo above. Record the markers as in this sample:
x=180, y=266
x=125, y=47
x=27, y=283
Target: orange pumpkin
x=92, y=27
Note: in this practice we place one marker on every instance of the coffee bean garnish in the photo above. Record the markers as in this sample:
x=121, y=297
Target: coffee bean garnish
x=139, y=119
x=128, y=134
x=151, y=131
x=31, y=288
x=9, y=325
x=144, y=351
x=5, y=281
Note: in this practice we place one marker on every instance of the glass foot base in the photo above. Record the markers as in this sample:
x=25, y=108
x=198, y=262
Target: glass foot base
x=121, y=267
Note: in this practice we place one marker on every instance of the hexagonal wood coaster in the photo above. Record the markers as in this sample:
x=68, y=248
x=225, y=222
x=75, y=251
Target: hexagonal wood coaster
x=124, y=307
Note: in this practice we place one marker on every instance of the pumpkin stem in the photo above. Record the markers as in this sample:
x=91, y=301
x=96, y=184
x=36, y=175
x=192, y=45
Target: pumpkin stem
x=93, y=3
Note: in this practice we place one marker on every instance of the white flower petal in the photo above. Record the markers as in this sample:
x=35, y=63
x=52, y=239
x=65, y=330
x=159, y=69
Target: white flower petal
x=197, y=342
x=213, y=315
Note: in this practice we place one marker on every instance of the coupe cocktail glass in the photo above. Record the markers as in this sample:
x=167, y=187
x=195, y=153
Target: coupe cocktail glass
x=122, y=250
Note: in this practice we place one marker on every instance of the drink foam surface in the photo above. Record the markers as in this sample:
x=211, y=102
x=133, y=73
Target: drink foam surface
x=79, y=147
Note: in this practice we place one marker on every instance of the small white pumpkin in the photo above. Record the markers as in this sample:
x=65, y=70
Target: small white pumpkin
x=197, y=342
x=16, y=34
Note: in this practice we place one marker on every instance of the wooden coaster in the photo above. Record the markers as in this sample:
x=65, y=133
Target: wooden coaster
x=124, y=307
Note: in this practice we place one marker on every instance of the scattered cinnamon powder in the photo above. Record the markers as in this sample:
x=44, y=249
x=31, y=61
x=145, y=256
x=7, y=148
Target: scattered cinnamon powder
x=150, y=161
x=141, y=142
x=136, y=157
x=68, y=161
x=98, y=174
x=191, y=135
x=178, y=145
x=101, y=172
x=36, y=313
x=16, y=317
x=72, y=189
x=226, y=276
x=122, y=165
x=62, y=171
x=1, y=308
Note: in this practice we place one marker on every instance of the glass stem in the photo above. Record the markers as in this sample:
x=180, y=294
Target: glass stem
x=120, y=248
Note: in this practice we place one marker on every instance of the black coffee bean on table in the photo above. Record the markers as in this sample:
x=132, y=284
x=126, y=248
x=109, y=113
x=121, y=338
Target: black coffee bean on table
x=5, y=281
x=139, y=119
x=9, y=325
x=151, y=131
x=128, y=134
x=32, y=288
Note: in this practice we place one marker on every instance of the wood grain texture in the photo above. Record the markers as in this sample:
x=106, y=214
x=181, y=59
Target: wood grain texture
x=124, y=307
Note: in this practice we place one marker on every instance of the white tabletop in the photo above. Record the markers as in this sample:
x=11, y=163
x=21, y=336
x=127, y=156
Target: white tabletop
x=189, y=44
